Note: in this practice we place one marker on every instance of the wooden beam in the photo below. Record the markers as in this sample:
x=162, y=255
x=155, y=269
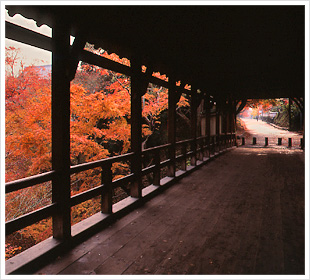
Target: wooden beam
x=77, y=47
x=103, y=62
x=26, y=36
x=61, y=129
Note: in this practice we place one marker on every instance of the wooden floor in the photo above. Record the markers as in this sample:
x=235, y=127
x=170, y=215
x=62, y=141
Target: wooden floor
x=242, y=213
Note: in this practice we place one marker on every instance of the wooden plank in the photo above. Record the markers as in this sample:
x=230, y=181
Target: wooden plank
x=61, y=184
x=104, y=62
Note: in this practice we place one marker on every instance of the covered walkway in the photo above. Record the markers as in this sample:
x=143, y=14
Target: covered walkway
x=241, y=213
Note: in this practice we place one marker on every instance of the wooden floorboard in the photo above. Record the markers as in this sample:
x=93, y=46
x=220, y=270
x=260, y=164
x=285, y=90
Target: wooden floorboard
x=242, y=213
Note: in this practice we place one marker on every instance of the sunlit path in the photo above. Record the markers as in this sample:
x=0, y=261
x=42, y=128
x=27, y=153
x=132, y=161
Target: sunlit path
x=260, y=130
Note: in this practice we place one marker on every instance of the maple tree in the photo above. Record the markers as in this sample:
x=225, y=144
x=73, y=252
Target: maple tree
x=99, y=128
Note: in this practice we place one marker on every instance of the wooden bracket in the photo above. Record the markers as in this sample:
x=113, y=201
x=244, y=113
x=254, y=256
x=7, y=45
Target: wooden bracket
x=241, y=106
x=76, y=49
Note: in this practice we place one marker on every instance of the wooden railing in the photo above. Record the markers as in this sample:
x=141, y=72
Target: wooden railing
x=202, y=153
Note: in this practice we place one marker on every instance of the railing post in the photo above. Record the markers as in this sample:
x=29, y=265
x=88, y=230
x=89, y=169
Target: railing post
x=61, y=183
x=156, y=179
x=184, y=152
x=172, y=100
x=213, y=144
x=302, y=143
x=289, y=142
x=201, y=144
x=106, y=180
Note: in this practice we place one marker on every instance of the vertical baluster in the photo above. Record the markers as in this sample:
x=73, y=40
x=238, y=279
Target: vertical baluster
x=201, y=153
x=156, y=180
x=106, y=180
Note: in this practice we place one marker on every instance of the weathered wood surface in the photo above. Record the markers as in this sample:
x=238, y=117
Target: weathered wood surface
x=242, y=213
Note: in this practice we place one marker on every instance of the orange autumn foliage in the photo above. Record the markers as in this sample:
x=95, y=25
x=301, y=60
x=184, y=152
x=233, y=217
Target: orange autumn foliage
x=99, y=128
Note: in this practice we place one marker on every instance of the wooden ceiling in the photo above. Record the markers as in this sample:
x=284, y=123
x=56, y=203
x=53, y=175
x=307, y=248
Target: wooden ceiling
x=240, y=51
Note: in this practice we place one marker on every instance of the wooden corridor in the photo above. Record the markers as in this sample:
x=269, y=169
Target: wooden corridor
x=242, y=213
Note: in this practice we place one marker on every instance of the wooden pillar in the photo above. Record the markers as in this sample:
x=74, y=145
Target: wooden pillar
x=194, y=126
x=61, y=185
x=208, y=125
x=217, y=127
x=231, y=121
x=289, y=114
x=172, y=100
x=136, y=126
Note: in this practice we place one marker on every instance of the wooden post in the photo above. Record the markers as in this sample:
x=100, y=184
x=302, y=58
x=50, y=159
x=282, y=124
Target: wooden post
x=217, y=133
x=289, y=114
x=106, y=179
x=156, y=180
x=184, y=151
x=232, y=123
x=194, y=126
x=136, y=126
x=61, y=183
x=201, y=145
x=172, y=100
x=208, y=125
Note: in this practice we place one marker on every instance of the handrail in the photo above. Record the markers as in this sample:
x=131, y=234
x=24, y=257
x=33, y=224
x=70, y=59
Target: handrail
x=29, y=181
x=156, y=148
x=184, y=141
x=29, y=218
x=98, y=163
